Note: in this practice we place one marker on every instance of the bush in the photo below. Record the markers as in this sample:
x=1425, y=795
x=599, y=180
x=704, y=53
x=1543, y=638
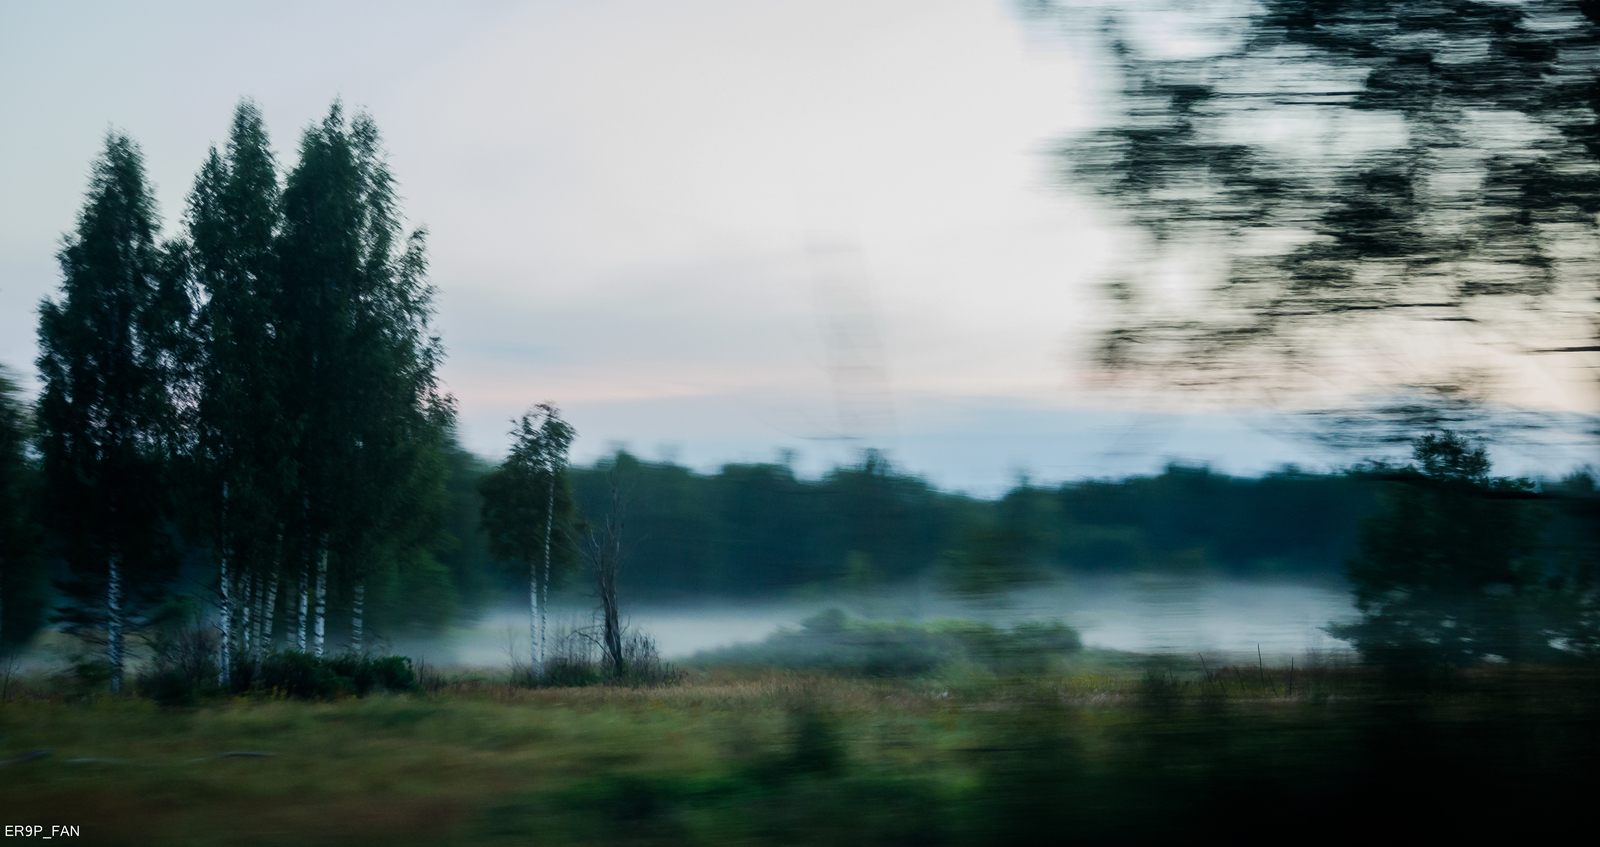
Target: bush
x=303, y=676
x=832, y=641
x=366, y=673
x=300, y=675
x=576, y=660
x=183, y=666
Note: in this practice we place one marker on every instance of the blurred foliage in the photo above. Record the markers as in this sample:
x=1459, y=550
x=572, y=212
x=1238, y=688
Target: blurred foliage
x=1338, y=176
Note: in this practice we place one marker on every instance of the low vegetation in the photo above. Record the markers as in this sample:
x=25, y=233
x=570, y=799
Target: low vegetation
x=1104, y=747
x=835, y=643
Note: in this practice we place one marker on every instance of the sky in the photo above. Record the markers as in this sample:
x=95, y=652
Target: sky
x=708, y=230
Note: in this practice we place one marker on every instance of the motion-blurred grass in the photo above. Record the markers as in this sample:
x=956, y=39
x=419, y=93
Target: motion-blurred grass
x=1108, y=747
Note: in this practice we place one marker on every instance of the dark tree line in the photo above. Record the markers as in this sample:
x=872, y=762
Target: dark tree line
x=759, y=530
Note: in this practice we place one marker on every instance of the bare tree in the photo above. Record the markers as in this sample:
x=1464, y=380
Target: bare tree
x=603, y=550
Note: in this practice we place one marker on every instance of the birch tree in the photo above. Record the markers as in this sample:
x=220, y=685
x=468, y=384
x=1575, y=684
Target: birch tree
x=527, y=508
x=106, y=413
x=243, y=439
x=358, y=350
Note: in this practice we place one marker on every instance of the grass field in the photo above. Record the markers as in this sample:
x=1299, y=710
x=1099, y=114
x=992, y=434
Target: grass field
x=1105, y=747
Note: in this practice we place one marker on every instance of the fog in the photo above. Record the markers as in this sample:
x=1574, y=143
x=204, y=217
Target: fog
x=1141, y=612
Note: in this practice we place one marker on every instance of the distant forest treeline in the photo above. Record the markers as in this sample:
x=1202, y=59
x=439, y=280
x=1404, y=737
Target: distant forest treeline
x=753, y=529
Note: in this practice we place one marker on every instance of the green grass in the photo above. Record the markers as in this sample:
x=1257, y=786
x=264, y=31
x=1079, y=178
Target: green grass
x=1105, y=747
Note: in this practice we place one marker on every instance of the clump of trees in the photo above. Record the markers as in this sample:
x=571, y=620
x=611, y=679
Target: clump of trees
x=258, y=392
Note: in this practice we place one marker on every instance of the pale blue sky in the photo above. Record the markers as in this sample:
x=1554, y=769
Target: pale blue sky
x=626, y=201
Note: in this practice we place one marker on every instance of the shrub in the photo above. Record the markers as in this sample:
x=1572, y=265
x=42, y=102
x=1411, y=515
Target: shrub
x=183, y=647
x=832, y=641
x=300, y=675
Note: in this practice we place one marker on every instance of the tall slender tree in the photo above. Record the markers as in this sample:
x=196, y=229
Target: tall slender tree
x=244, y=477
x=527, y=508
x=107, y=415
x=356, y=310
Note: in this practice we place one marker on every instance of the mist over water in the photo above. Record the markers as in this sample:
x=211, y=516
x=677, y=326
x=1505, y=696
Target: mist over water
x=1141, y=612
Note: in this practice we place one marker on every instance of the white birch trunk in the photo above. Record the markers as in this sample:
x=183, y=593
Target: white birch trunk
x=322, y=604
x=225, y=642
x=246, y=647
x=272, y=608
x=114, y=621
x=534, y=651
x=549, y=523
x=305, y=597
x=356, y=616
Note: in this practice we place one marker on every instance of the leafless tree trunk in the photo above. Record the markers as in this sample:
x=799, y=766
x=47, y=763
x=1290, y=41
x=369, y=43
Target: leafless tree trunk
x=604, y=551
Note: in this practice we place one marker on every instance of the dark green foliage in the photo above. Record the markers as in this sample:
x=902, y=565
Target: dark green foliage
x=1449, y=571
x=244, y=436
x=757, y=529
x=107, y=415
x=375, y=673
x=1280, y=524
x=291, y=673
x=355, y=308
x=23, y=586
x=527, y=501
x=461, y=546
